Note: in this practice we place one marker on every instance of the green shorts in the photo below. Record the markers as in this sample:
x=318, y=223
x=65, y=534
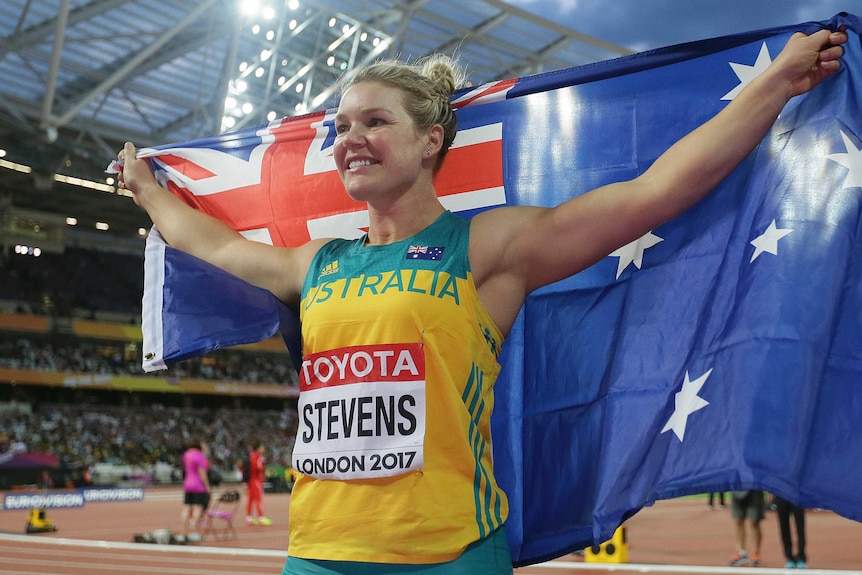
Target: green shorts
x=488, y=556
x=747, y=505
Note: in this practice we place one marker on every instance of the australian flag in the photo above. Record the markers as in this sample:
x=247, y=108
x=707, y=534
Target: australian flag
x=720, y=351
x=431, y=253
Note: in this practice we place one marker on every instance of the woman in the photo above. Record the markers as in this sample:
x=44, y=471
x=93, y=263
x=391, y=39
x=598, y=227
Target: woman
x=196, y=487
x=401, y=329
x=784, y=509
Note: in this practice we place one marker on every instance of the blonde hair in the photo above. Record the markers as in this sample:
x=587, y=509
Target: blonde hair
x=427, y=86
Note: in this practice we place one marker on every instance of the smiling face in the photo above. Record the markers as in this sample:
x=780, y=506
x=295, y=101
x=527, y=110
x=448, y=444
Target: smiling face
x=378, y=151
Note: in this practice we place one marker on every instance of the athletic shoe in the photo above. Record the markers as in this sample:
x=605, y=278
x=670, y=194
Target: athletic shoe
x=801, y=565
x=790, y=564
x=755, y=560
x=739, y=559
x=266, y=521
x=250, y=521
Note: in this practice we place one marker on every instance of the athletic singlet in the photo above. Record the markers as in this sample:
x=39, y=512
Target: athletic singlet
x=396, y=394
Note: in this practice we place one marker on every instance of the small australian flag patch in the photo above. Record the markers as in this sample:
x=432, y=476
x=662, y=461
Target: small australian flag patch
x=433, y=253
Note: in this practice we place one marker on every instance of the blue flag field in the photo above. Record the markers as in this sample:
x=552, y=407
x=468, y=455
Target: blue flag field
x=721, y=351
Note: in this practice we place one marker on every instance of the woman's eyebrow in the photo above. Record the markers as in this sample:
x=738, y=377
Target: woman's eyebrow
x=364, y=112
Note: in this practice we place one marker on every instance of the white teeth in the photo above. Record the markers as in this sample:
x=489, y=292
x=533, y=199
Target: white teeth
x=359, y=163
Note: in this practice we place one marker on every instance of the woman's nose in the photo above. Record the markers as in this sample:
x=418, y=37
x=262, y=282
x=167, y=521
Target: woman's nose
x=354, y=136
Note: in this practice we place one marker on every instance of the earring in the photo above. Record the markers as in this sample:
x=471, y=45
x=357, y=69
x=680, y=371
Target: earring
x=427, y=152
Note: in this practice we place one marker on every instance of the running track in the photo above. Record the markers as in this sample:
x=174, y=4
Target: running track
x=678, y=536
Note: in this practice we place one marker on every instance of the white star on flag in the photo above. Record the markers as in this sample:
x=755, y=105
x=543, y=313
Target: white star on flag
x=686, y=402
x=747, y=73
x=852, y=160
x=634, y=252
x=768, y=241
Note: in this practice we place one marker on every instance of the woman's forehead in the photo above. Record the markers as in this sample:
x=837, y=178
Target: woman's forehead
x=370, y=95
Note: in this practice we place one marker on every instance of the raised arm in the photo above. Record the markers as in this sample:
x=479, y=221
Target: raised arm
x=509, y=247
x=280, y=270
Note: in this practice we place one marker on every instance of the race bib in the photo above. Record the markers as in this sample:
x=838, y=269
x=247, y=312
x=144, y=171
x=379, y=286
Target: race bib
x=361, y=412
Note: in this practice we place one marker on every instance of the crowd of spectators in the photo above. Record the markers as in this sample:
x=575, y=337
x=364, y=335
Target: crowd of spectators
x=68, y=354
x=78, y=279
x=83, y=436
x=121, y=430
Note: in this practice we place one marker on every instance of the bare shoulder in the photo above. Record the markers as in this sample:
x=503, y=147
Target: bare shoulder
x=299, y=260
x=498, y=262
x=494, y=239
x=280, y=270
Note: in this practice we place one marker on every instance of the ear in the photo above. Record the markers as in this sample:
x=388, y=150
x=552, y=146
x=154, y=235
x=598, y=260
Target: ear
x=435, y=139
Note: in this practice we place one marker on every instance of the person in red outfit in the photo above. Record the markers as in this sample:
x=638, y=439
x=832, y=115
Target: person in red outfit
x=256, y=477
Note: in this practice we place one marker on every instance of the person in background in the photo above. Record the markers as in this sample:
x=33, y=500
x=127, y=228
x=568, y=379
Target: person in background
x=711, y=502
x=256, y=479
x=784, y=509
x=196, y=488
x=751, y=506
x=423, y=302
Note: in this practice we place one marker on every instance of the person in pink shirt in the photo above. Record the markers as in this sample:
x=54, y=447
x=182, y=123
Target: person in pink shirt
x=196, y=486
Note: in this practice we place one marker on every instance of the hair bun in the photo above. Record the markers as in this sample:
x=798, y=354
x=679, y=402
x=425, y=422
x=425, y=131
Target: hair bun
x=444, y=72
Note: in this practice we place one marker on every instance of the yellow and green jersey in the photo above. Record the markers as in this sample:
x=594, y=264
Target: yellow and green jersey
x=396, y=395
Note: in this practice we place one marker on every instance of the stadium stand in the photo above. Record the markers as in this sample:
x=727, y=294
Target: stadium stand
x=71, y=382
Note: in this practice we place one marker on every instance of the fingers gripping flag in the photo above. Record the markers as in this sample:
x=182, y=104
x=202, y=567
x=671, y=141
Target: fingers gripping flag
x=717, y=352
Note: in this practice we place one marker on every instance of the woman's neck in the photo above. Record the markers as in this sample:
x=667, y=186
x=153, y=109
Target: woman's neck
x=402, y=220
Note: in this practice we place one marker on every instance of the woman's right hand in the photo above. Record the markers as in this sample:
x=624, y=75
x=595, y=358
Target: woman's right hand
x=135, y=175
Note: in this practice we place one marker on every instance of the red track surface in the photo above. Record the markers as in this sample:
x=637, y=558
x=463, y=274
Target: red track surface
x=97, y=539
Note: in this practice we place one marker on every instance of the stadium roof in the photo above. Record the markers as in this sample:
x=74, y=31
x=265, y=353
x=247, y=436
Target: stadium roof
x=82, y=76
